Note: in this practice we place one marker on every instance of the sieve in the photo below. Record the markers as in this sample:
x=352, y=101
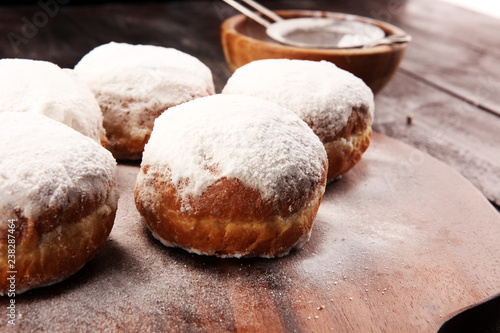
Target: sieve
x=317, y=32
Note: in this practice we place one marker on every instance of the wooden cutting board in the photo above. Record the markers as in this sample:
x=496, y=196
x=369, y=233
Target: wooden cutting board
x=400, y=244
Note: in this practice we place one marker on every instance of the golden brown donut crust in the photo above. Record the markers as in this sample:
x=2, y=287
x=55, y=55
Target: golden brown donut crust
x=229, y=219
x=57, y=244
x=345, y=149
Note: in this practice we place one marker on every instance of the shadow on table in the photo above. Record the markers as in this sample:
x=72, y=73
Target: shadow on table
x=484, y=318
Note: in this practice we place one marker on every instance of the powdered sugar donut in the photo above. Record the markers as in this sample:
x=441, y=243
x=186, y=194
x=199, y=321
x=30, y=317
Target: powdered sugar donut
x=134, y=84
x=43, y=87
x=337, y=105
x=231, y=176
x=58, y=202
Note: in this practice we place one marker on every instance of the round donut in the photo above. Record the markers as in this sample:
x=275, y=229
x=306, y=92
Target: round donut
x=231, y=176
x=58, y=202
x=134, y=84
x=42, y=87
x=337, y=105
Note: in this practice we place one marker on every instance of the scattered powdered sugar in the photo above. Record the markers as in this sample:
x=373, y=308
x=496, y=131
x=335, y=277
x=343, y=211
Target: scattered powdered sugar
x=44, y=163
x=258, y=142
x=43, y=87
x=144, y=74
x=320, y=93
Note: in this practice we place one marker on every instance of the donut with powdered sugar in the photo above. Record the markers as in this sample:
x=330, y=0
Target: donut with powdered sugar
x=338, y=106
x=134, y=84
x=42, y=87
x=231, y=176
x=58, y=203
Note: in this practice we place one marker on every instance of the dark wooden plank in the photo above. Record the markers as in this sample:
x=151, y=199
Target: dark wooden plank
x=457, y=24
x=456, y=50
x=192, y=27
x=445, y=127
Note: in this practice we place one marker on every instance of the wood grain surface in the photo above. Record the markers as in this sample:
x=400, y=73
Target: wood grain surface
x=400, y=244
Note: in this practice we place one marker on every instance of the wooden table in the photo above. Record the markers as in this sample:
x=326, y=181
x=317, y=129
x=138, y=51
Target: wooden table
x=448, y=84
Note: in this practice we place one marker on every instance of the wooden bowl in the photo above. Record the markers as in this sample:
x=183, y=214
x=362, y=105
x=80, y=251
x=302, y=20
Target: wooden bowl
x=244, y=40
